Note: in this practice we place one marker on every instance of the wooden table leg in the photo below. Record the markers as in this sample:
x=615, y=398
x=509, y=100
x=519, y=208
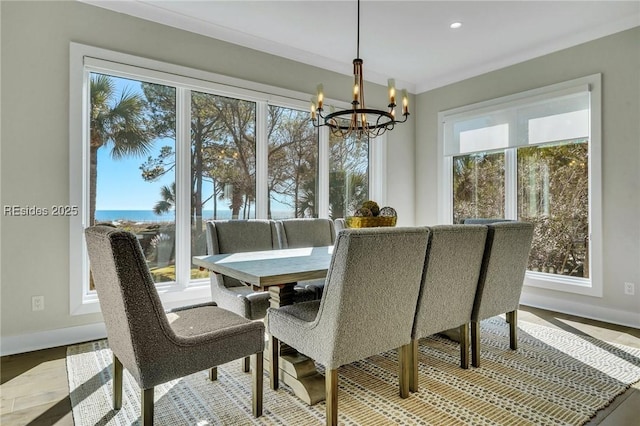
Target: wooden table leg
x=296, y=370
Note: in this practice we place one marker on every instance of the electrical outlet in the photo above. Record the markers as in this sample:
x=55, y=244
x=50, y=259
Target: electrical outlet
x=37, y=303
x=630, y=289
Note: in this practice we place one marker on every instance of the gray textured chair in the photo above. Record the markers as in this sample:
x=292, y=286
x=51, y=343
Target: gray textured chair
x=155, y=346
x=449, y=284
x=236, y=236
x=504, y=264
x=367, y=307
x=484, y=221
x=339, y=224
x=307, y=232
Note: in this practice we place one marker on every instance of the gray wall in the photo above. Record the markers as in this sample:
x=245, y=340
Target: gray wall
x=35, y=135
x=617, y=57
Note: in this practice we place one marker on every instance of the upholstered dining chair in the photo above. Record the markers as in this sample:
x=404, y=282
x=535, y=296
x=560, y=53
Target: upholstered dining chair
x=504, y=264
x=339, y=224
x=235, y=236
x=484, y=221
x=367, y=306
x=155, y=346
x=306, y=232
x=448, y=289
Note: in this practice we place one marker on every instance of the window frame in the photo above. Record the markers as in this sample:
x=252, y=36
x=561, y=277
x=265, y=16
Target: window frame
x=592, y=286
x=85, y=59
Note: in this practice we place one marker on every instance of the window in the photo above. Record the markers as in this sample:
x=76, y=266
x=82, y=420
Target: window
x=533, y=157
x=293, y=164
x=159, y=149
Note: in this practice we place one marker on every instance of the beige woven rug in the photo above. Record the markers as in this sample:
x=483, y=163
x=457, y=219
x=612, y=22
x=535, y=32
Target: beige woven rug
x=554, y=378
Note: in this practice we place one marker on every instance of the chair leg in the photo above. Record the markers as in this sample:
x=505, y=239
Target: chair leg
x=246, y=364
x=274, y=366
x=213, y=374
x=257, y=383
x=464, y=346
x=117, y=383
x=413, y=375
x=146, y=403
x=331, y=387
x=475, y=343
x=513, y=329
x=404, y=365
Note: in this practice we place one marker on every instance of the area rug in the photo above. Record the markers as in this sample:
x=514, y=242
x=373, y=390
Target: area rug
x=555, y=377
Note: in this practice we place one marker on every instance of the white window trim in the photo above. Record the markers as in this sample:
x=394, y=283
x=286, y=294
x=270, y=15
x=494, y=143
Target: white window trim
x=592, y=286
x=84, y=58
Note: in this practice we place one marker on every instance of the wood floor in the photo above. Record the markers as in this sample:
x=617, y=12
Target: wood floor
x=34, y=388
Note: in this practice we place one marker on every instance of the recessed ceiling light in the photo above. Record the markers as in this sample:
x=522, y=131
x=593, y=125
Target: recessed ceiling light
x=455, y=25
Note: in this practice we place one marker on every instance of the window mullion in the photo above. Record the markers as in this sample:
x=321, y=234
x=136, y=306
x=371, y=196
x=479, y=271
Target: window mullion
x=183, y=187
x=262, y=160
x=323, y=172
x=511, y=184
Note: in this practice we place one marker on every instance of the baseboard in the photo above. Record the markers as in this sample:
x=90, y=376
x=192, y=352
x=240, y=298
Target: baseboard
x=10, y=345
x=571, y=307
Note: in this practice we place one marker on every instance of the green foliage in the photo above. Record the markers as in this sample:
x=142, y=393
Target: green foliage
x=168, y=201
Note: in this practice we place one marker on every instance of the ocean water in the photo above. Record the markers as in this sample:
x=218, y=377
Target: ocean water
x=150, y=216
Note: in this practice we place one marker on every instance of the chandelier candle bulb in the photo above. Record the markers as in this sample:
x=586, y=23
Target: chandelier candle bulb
x=392, y=92
x=313, y=108
x=320, y=96
x=405, y=102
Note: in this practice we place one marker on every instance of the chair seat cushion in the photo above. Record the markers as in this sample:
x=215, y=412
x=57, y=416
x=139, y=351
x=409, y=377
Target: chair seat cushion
x=202, y=322
x=220, y=336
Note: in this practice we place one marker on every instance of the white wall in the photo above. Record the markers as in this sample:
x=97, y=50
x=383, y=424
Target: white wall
x=617, y=57
x=35, y=39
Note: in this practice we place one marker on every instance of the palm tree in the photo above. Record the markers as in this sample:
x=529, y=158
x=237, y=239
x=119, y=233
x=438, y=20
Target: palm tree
x=168, y=201
x=116, y=123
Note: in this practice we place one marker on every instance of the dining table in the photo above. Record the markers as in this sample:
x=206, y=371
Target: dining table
x=278, y=272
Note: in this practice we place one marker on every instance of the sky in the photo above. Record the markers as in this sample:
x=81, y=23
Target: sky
x=120, y=184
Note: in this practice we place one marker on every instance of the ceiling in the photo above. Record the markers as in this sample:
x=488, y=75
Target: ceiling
x=408, y=40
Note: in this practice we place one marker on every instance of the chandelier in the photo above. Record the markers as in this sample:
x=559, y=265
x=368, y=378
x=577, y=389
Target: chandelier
x=359, y=120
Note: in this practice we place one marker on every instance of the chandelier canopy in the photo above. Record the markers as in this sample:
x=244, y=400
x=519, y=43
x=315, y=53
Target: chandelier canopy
x=359, y=120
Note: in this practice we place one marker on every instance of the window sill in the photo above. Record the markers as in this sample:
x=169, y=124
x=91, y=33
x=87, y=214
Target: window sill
x=583, y=286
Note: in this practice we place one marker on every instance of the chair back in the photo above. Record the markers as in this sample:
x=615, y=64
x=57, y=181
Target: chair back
x=133, y=313
x=504, y=264
x=307, y=232
x=484, y=221
x=373, y=282
x=339, y=224
x=237, y=236
x=450, y=278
